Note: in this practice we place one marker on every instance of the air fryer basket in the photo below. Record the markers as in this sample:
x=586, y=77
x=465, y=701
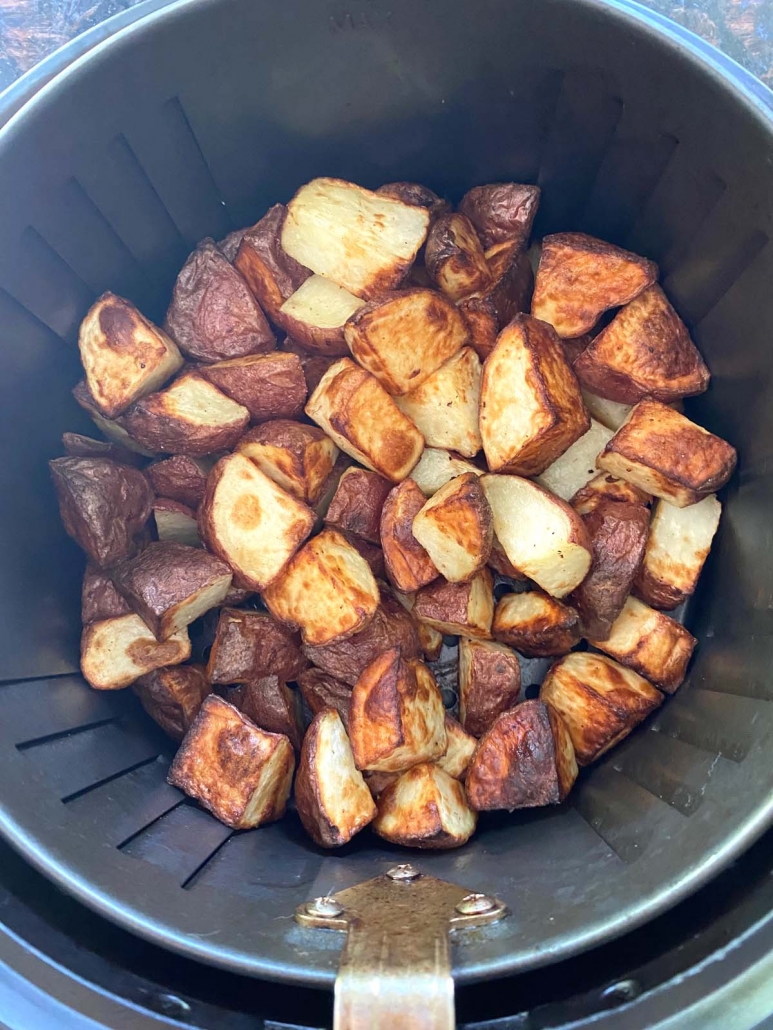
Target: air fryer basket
x=193, y=122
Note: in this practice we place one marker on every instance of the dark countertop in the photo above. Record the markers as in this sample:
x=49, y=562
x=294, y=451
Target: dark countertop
x=31, y=29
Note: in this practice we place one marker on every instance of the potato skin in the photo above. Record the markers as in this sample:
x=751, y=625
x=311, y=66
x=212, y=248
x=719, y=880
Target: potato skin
x=271, y=274
x=502, y=211
x=489, y=311
x=75, y=445
x=408, y=566
x=357, y=504
x=454, y=257
x=173, y=696
x=99, y=598
x=314, y=365
x=271, y=705
x=464, y=609
x=178, y=478
x=322, y=691
x=416, y=195
x=269, y=386
x=547, y=629
x=251, y=645
x=489, y=683
x=297, y=456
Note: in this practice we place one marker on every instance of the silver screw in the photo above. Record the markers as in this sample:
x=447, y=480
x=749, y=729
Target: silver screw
x=404, y=873
x=476, y=905
x=325, y=908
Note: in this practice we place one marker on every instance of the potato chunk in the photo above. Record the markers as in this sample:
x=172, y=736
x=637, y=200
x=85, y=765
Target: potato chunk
x=502, y=211
x=678, y=545
x=250, y=522
x=458, y=609
x=416, y=195
x=332, y=798
x=250, y=645
x=488, y=311
x=320, y=691
x=536, y=625
x=76, y=445
x=396, y=716
x=577, y=465
x=599, y=701
x=172, y=697
x=531, y=409
x=408, y=566
x=357, y=413
x=327, y=590
x=405, y=336
x=271, y=705
x=579, y=278
x=604, y=487
x=271, y=274
x=125, y=356
x=357, y=503
x=267, y=385
x=454, y=257
x=364, y=241
x=175, y=522
x=445, y=407
x=459, y=751
x=179, y=478
x=664, y=453
x=542, y=536
x=298, y=457
x=111, y=428
x=436, y=467
x=240, y=773
x=455, y=528
x=315, y=316
x=489, y=683
x=525, y=760
x=116, y=652
x=99, y=598
x=425, y=808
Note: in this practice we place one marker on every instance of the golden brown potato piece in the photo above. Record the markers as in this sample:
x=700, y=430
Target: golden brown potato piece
x=536, y=625
x=250, y=522
x=327, y=590
x=396, y=717
x=608, y=413
x=445, y=407
x=321, y=691
x=489, y=683
x=125, y=356
x=454, y=257
x=403, y=337
x=357, y=503
x=525, y=760
x=271, y=705
x=357, y=413
x=489, y=311
x=179, y=478
x=678, y=545
x=667, y=455
x=599, y=701
x=364, y=241
x=425, y=808
x=315, y=316
x=576, y=466
x=103, y=505
x=298, y=457
x=579, y=278
x=531, y=409
x=75, y=445
x=116, y=652
x=99, y=598
x=651, y=643
x=458, y=609
x=213, y=315
x=190, y=417
x=605, y=487
x=270, y=273
x=240, y=773
x=455, y=527
x=459, y=750
x=436, y=467
x=502, y=212
x=175, y=522
x=618, y=535
x=250, y=645
x=415, y=195
x=646, y=351
x=267, y=385
x=408, y=566
x=332, y=798
x=110, y=428
x=542, y=536
x=172, y=697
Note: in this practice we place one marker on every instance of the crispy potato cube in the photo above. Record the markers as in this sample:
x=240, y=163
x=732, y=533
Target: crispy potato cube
x=489, y=683
x=445, y=407
x=531, y=409
x=425, y=808
x=576, y=466
x=76, y=445
x=458, y=609
x=172, y=697
x=357, y=413
x=190, y=417
x=488, y=311
x=454, y=257
x=125, y=356
x=331, y=796
x=251, y=645
x=415, y=195
x=664, y=453
x=651, y=643
x=455, y=527
x=169, y=585
x=357, y=503
x=179, y=478
x=272, y=706
x=240, y=773
x=267, y=385
x=459, y=750
x=110, y=428
x=408, y=566
x=608, y=413
x=298, y=457
x=525, y=760
x=542, y=536
x=271, y=274
x=535, y=624
x=405, y=336
x=315, y=316
x=579, y=278
x=618, y=535
x=599, y=701
x=327, y=590
x=175, y=522
x=430, y=640
x=502, y=211
x=213, y=315
x=605, y=487
x=320, y=691
x=396, y=716
x=646, y=351
x=99, y=598
x=250, y=522
x=436, y=467
x=116, y=652
x=678, y=545
x=103, y=505
x=364, y=241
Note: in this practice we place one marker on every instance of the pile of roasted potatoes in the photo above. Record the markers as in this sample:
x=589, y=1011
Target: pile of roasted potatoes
x=360, y=414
